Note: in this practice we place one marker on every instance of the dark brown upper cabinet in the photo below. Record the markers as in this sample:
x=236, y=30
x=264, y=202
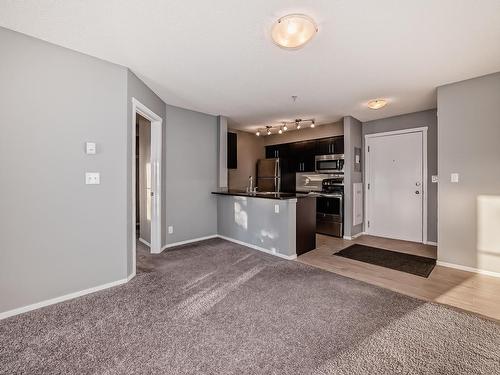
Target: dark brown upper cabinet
x=232, y=150
x=328, y=146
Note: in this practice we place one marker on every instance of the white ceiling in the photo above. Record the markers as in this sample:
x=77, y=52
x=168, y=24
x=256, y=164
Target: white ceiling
x=217, y=56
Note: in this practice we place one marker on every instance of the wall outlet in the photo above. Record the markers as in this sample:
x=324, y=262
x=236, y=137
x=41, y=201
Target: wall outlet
x=434, y=179
x=90, y=148
x=92, y=178
x=170, y=229
x=455, y=177
x=276, y=208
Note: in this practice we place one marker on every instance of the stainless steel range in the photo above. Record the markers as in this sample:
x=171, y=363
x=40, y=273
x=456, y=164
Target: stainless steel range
x=329, y=190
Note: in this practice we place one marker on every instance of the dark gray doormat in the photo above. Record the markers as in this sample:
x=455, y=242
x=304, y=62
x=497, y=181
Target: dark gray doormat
x=416, y=265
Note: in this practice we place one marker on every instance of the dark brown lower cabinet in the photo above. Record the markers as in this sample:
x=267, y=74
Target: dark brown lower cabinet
x=305, y=225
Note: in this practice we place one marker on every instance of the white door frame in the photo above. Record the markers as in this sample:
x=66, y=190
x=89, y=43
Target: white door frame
x=156, y=151
x=422, y=130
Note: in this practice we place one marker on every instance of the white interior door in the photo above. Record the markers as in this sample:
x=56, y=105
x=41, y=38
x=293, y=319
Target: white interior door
x=395, y=186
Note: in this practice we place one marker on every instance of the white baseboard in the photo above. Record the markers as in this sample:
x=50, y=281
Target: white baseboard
x=354, y=236
x=188, y=241
x=255, y=247
x=468, y=269
x=431, y=243
x=144, y=242
x=66, y=297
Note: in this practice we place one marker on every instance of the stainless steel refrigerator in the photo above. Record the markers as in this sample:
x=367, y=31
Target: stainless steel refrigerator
x=268, y=175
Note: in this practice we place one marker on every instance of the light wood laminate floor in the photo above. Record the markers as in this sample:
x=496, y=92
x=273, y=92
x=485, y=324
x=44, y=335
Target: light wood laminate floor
x=469, y=291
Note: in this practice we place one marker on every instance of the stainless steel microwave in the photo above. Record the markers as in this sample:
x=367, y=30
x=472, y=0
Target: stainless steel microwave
x=329, y=163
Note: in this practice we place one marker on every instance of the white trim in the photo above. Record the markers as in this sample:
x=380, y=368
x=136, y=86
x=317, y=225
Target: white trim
x=255, y=247
x=431, y=243
x=423, y=130
x=63, y=298
x=156, y=156
x=350, y=238
x=188, y=241
x=468, y=269
x=144, y=242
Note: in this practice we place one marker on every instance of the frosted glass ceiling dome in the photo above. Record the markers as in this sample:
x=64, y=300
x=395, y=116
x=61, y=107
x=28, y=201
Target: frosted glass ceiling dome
x=293, y=31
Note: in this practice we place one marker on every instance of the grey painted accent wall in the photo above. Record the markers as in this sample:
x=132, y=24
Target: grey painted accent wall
x=250, y=149
x=469, y=138
x=59, y=235
x=253, y=221
x=138, y=89
x=415, y=120
x=352, y=139
x=191, y=143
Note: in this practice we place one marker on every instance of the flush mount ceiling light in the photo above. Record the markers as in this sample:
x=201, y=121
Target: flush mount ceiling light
x=258, y=133
x=377, y=103
x=293, y=31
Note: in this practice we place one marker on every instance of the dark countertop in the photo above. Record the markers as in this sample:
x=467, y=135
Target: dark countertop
x=280, y=196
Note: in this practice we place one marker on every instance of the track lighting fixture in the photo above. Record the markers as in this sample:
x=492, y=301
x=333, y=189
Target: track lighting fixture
x=284, y=127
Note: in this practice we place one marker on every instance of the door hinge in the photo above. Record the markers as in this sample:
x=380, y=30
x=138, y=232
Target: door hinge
x=368, y=186
x=368, y=223
x=368, y=148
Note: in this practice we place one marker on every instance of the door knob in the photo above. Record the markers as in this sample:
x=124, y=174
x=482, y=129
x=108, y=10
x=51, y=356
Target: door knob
x=417, y=192
x=417, y=184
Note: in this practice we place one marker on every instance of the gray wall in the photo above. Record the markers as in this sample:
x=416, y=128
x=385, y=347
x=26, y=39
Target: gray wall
x=253, y=221
x=250, y=149
x=59, y=235
x=352, y=139
x=415, y=120
x=469, y=144
x=191, y=143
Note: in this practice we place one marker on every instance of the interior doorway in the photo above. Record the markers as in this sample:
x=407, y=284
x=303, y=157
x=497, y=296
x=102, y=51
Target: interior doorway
x=143, y=179
x=396, y=184
x=146, y=178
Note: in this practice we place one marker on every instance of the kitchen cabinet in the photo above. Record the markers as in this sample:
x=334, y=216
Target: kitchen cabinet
x=232, y=150
x=301, y=156
x=338, y=145
x=277, y=151
x=332, y=145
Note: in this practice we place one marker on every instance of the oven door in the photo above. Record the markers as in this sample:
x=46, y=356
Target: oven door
x=329, y=214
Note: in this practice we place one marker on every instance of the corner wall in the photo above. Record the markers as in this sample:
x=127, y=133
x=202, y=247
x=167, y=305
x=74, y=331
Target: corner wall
x=352, y=139
x=192, y=162
x=469, y=138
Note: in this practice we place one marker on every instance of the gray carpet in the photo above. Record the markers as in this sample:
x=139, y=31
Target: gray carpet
x=220, y=308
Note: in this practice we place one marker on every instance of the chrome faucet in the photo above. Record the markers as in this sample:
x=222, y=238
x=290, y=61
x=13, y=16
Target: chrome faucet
x=250, y=187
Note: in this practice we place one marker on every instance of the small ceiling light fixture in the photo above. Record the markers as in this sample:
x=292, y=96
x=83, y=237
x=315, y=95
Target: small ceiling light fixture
x=293, y=31
x=268, y=130
x=297, y=124
x=258, y=133
x=377, y=103
x=285, y=127
x=313, y=124
x=281, y=130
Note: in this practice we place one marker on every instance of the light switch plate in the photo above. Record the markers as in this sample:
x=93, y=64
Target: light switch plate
x=170, y=229
x=454, y=177
x=92, y=178
x=90, y=148
x=276, y=208
x=435, y=179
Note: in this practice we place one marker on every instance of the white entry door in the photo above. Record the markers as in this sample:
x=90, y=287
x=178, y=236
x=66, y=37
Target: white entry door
x=395, y=204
